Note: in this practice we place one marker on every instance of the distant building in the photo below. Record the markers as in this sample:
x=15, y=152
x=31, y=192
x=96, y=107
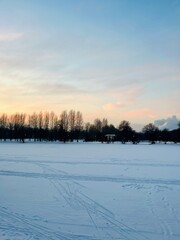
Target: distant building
x=110, y=137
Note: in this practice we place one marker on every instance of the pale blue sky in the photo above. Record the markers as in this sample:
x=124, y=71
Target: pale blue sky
x=107, y=58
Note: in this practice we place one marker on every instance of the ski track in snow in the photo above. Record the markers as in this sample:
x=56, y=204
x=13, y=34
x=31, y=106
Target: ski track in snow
x=103, y=220
x=162, y=225
x=16, y=226
x=99, y=215
x=94, y=178
x=112, y=162
x=104, y=223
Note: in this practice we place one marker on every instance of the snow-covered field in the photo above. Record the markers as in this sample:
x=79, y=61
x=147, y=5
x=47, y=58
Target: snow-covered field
x=89, y=191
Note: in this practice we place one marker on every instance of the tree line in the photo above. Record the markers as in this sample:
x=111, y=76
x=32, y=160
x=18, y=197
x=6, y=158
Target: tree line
x=69, y=126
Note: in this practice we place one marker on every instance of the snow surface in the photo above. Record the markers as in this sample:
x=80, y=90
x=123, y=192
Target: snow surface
x=89, y=191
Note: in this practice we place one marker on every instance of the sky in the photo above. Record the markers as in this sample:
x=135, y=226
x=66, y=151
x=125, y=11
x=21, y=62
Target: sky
x=115, y=59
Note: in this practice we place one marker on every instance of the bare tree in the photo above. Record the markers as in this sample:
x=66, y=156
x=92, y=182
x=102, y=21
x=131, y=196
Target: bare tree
x=46, y=120
x=3, y=126
x=98, y=124
x=33, y=123
x=104, y=122
x=16, y=125
x=63, y=125
x=52, y=118
x=72, y=123
x=79, y=124
x=40, y=125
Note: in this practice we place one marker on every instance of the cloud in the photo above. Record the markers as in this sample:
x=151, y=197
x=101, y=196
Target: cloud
x=129, y=93
x=168, y=123
x=120, y=98
x=11, y=36
x=56, y=88
x=140, y=113
x=41, y=89
x=113, y=106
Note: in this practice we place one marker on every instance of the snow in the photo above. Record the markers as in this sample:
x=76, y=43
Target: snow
x=89, y=191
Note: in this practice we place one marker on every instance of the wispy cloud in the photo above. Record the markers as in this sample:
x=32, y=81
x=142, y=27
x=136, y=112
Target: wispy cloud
x=122, y=97
x=56, y=89
x=113, y=106
x=11, y=36
x=41, y=89
x=140, y=114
